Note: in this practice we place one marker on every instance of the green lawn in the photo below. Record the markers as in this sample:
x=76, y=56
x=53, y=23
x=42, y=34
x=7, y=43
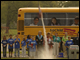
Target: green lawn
x=11, y=31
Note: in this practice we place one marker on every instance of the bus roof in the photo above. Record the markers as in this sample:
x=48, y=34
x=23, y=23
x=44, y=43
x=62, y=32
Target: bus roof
x=50, y=9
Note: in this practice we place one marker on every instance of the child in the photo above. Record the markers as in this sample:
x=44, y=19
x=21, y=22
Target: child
x=23, y=43
x=17, y=45
x=67, y=44
x=49, y=39
x=33, y=47
x=10, y=47
x=4, y=44
x=28, y=40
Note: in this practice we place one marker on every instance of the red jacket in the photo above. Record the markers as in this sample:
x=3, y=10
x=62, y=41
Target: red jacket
x=47, y=41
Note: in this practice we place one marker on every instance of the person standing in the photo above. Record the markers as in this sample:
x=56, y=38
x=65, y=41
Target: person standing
x=10, y=45
x=76, y=40
x=39, y=40
x=56, y=40
x=28, y=40
x=49, y=39
x=23, y=43
x=4, y=44
x=67, y=44
x=64, y=39
x=17, y=45
x=33, y=47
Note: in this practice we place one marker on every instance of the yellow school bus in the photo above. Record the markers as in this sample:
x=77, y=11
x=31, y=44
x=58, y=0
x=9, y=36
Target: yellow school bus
x=65, y=17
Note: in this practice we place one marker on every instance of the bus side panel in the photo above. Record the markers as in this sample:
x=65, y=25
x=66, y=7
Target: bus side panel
x=72, y=31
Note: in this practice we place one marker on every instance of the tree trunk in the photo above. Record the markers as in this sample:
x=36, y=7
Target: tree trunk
x=7, y=25
x=8, y=20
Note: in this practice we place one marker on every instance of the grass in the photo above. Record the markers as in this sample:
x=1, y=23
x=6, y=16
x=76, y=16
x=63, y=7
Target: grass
x=11, y=31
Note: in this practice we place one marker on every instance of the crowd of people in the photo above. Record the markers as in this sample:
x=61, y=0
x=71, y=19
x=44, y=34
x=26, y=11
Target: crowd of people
x=35, y=44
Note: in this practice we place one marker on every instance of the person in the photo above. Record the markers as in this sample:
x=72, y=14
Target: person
x=64, y=39
x=27, y=41
x=39, y=40
x=67, y=44
x=33, y=47
x=36, y=20
x=61, y=47
x=23, y=44
x=76, y=21
x=4, y=44
x=17, y=45
x=10, y=45
x=54, y=22
x=56, y=40
x=76, y=40
x=49, y=39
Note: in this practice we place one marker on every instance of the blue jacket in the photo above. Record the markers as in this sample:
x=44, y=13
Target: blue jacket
x=17, y=45
x=10, y=41
x=28, y=40
x=68, y=43
x=4, y=42
x=23, y=43
x=34, y=45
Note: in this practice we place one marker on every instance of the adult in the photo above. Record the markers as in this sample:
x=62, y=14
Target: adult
x=54, y=22
x=76, y=40
x=39, y=40
x=17, y=45
x=76, y=21
x=56, y=40
x=64, y=39
x=36, y=20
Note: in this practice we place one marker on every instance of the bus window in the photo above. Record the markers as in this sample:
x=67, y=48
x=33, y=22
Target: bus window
x=61, y=18
x=64, y=19
x=29, y=19
x=70, y=18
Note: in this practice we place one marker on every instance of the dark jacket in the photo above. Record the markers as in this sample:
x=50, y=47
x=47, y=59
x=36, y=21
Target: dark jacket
x=39, y=42
x=76, y=41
